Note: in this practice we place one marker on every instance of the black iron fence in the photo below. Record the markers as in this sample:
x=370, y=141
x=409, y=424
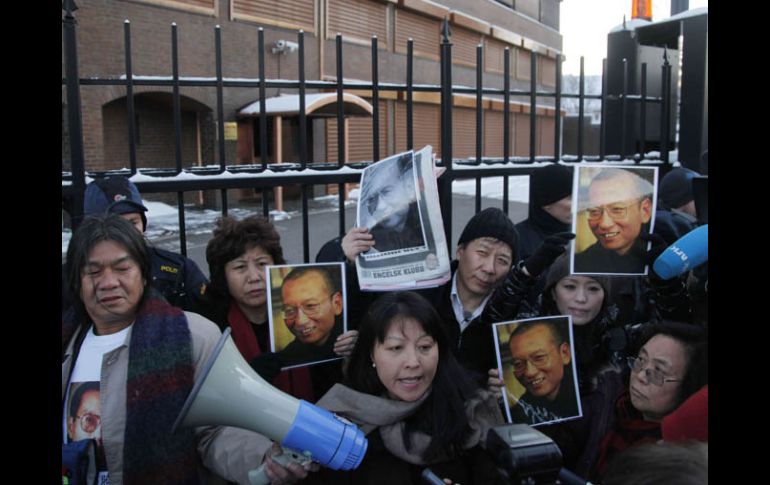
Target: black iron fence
x=309, y=173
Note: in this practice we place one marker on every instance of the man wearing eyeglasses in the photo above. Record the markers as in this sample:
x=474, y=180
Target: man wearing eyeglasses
x=542, y=363
x=619, y=207
x=312, y=311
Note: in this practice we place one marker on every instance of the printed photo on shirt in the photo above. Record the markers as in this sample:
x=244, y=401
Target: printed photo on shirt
x=83, y=420
x=306, y=305
x=535, y=358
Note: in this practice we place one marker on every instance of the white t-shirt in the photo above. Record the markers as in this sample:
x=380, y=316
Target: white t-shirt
x=86, y=374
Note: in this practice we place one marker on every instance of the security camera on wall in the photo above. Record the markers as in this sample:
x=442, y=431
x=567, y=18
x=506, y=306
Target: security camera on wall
x=284, y=47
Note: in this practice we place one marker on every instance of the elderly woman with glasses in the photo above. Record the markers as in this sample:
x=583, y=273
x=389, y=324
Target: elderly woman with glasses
x=669, y=367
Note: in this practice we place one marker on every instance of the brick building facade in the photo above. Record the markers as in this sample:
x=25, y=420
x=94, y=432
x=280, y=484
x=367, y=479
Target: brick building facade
x=527, y=26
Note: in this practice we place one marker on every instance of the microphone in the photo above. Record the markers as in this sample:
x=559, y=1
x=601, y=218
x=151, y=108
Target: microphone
x=687, y=252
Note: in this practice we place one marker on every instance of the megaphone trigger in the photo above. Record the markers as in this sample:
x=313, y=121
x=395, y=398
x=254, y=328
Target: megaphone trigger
x=258, y=475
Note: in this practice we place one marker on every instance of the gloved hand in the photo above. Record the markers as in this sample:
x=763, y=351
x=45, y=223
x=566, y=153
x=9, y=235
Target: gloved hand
x=267, y=365
x=551, y=248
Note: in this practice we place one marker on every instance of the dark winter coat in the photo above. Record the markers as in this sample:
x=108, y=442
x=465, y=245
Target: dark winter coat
x=380, y=467
x=532, y=232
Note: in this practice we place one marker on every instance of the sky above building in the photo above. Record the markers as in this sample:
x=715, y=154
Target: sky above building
x=584, y=24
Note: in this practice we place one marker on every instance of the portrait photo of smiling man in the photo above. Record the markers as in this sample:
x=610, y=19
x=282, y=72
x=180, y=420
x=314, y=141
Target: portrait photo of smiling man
x=536, y=360
x=306, y=312
x=615, y=211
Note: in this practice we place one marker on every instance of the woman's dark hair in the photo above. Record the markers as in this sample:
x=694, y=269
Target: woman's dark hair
x=693, y=339
x=442, y=415
x=93, y=230
x=231, y=239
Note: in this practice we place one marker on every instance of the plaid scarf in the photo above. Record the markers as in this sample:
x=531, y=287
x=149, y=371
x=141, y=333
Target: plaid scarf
x=160, y=376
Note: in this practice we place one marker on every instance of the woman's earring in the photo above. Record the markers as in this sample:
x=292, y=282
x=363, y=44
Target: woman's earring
x=374, y=365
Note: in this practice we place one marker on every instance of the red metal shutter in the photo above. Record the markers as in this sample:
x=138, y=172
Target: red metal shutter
x=358, y=19
x=424, y=31
x=546, y=71
x=495, y=56
x=298, y=14
x=493, y=134
x=521, y=147
x=426, y=125
x=359, y=137
x=545, y=127
x=463, y=132
x=523, y=64
x=464, y=44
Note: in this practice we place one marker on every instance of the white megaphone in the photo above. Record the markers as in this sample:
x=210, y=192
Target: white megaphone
x=229, y=392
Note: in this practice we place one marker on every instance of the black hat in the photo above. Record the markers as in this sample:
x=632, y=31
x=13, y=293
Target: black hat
x=676, y=187
x=549, y=184
x=114, y=195
x=491, y=222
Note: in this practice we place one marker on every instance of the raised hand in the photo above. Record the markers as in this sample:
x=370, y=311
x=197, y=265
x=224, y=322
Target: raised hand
x=356, y=241
x=344, y=344
x=495, y=384
x=551, y=248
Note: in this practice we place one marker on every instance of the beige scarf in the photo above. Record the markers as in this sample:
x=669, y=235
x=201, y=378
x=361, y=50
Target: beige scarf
x=370, y=412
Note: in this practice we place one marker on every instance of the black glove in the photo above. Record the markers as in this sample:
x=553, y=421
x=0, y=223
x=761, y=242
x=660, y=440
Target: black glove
x=267, y=365
x=551, y=248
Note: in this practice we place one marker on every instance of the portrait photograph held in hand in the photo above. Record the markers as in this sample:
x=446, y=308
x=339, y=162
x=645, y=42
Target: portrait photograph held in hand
x=306, y=305
x=535, y=358
x=615, y=213
x=388, y=205
x=398, y=205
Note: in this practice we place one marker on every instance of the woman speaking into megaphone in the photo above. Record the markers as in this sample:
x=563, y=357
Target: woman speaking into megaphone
x=417, y=406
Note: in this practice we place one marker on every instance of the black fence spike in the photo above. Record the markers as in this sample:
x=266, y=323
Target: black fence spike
x=69, y=6
x=445, y=30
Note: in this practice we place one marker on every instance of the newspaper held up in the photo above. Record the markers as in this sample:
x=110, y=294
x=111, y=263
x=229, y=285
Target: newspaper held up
x=399, y=205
